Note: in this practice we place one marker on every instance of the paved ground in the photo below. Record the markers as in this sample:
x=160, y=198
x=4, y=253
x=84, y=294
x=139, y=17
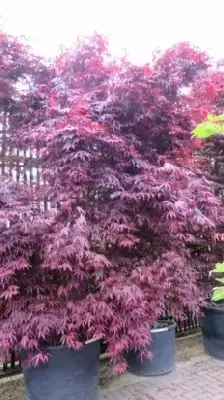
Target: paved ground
x=201, y=378
x=196, y=377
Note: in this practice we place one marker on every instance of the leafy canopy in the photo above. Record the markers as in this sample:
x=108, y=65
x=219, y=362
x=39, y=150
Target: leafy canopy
x=130, y=204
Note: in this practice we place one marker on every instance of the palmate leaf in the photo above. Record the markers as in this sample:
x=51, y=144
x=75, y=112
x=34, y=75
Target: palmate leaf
x=218, y=294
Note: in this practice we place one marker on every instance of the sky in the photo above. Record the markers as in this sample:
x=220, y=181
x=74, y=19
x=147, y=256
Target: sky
x=135, y=27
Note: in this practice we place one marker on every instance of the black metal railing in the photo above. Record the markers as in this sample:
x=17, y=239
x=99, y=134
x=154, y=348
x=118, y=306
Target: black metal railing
x=10, y=365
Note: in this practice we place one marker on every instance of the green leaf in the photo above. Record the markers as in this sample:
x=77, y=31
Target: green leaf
x=219, y=268
x=216, y=118
x=218, y=294
x=206, y=129
x=220, y=280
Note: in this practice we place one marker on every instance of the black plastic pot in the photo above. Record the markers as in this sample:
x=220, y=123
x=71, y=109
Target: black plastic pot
x=68, y=375
x=212, y=326
x=163, y=349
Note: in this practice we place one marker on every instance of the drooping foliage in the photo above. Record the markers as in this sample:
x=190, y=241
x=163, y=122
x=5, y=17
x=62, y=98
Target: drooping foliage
x=38, y=305
x=133, y=205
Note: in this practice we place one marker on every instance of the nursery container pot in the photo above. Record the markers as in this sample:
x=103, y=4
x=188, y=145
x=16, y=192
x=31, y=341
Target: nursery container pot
x=69, y=374
x=212, y=326
x=163, y=350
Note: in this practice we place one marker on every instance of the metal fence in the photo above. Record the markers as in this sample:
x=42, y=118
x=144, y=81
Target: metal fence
x=188, y=326
x=10, y=365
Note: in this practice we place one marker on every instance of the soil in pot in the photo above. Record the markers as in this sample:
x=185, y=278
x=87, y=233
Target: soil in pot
x=68, y=375
x=162, y=348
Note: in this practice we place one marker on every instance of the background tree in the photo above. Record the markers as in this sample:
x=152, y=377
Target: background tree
x=207, y=97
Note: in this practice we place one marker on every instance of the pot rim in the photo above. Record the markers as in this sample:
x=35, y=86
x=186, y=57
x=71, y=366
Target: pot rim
x=52, y=347
x=210, y=308
x=164, y=329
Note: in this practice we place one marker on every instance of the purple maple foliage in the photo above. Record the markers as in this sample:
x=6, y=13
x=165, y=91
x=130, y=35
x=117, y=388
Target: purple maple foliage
x=131, y=203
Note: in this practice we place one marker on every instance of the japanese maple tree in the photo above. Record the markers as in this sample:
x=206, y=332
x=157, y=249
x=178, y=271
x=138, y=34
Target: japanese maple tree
x=132, y=202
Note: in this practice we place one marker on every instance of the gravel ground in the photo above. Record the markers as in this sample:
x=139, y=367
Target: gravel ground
x=186, y=348
x=189, y=347
x=13, y=390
